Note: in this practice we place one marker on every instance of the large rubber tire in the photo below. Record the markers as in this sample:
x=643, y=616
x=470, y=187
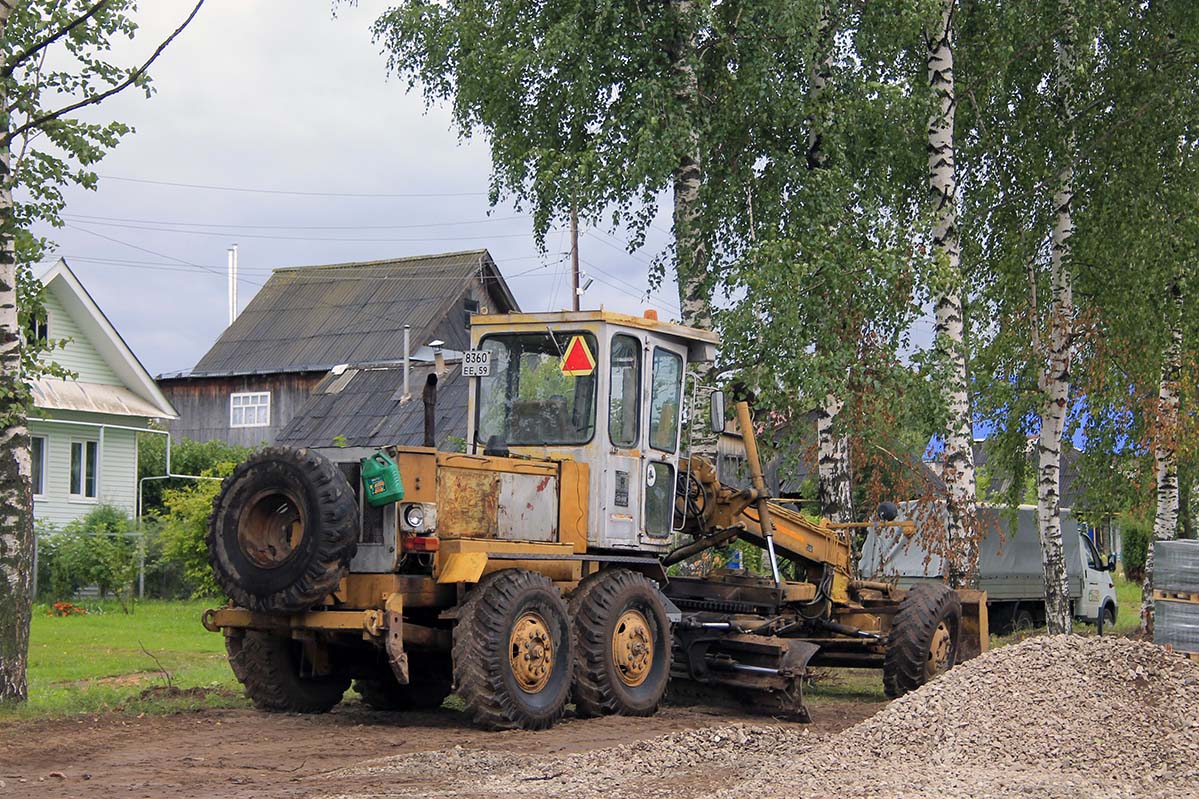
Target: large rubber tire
x=928, y=612
x=486, y=645
x=430, y=681
x=269, y=668
x=612, y=610
x=282, y=531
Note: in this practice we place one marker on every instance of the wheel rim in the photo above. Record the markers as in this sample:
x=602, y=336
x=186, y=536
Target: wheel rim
x=531, y=652
x=271, y=528
x=938, y=651
x=632, y=648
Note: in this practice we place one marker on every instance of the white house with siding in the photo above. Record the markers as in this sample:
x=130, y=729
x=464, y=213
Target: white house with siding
x=84, y=430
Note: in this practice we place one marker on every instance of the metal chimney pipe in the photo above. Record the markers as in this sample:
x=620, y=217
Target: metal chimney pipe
x=229, y=288
x=407, y=361
x=233, y=286
x=429, y=395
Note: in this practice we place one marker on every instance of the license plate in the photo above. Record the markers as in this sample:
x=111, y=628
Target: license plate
x=476, y=363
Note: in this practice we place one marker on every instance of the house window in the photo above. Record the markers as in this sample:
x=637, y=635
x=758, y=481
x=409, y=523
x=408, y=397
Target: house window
x=85, y=463
x=469, y=307
x=38, y=331
x=250, y=409
x=37, y=447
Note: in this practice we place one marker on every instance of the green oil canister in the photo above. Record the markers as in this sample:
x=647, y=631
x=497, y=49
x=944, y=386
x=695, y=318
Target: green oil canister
x=381, y=480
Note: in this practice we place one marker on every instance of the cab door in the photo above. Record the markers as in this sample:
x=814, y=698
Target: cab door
x=622, y=481
x=663, y=433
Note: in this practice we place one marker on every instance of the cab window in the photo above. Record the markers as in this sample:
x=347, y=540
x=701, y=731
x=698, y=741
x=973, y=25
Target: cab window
x=1093, y=559
x=665, y=394
x=528, y=399
x=624, y=409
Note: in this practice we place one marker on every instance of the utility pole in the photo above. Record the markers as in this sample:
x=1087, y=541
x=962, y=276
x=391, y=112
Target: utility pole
x=574, y=256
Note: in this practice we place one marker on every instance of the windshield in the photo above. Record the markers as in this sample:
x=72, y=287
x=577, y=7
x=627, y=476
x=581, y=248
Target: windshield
x=533, y=395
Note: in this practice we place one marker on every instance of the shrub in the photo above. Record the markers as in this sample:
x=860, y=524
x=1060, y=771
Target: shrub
x=187, y=457
x=185, y=527
x=99, y=549
x=1136, y=533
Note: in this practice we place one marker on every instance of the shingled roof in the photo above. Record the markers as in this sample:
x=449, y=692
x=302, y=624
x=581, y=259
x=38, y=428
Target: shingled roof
x=313, y=318
x=363, y=408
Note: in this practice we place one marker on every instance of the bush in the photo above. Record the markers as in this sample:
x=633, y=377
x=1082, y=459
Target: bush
x=100, y=549
x=185, y=527
x=187, y=457
x=1136, y=533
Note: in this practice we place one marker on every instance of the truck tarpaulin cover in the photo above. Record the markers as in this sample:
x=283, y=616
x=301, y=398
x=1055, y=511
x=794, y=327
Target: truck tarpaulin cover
x=1009, y=565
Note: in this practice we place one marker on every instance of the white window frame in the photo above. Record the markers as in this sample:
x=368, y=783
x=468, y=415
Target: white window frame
x=83, y=497
x=45, y=457
x=249, y=399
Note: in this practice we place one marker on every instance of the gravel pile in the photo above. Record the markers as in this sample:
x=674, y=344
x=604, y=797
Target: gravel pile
x=1062, y=716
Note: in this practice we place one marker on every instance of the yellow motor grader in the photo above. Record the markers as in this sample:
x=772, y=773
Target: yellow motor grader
x=536, y=568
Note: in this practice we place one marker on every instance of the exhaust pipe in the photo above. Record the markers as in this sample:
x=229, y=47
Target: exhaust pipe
x=429, y=395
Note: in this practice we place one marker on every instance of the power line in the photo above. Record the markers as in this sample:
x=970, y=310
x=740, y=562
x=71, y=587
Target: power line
x=356, y=239
x=249, y=190
x=109, y=219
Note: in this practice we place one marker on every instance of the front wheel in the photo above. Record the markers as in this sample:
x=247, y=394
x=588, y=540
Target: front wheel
x=513, y=652
x=622, y=644
x=924, y=639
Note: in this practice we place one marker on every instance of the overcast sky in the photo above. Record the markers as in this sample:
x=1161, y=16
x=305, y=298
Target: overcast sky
x=280, y=96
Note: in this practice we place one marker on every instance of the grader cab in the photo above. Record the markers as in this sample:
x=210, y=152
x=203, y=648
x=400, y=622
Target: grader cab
x=538, y=566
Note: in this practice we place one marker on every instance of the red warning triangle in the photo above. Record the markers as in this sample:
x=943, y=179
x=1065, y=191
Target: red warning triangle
x=578, y=360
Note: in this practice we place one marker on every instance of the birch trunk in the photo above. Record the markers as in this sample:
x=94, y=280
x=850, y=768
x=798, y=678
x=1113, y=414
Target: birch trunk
x=834, y=483
x=16, y=518
x=834, y=480
x=691, y=254
x=1165, y=453
x=950, y=335
x=1055, y=379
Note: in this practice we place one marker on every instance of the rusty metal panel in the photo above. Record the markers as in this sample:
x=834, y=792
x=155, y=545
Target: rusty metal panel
x=528, y=507
x=468, y=502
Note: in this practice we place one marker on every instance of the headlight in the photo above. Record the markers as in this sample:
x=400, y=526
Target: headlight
x=414, y=517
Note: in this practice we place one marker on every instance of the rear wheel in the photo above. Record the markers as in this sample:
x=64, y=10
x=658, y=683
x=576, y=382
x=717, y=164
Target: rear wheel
x=271, y=669
x=1024, y=620
x=513, y=651
x=924, y=638
x=622, y=645
x=429, y=683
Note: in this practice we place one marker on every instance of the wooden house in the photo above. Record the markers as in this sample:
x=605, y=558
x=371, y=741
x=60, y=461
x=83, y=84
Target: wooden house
x=307, y=321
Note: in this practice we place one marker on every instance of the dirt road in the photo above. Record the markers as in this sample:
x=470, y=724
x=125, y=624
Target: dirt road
x=235, y=754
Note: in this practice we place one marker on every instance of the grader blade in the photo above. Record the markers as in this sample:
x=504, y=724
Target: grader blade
x=764, y=673
x=975, y=633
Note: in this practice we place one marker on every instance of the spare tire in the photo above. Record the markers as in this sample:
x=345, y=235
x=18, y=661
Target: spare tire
x=282, y=531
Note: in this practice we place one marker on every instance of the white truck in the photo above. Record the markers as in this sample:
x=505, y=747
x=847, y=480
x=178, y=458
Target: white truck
x=1010, y=569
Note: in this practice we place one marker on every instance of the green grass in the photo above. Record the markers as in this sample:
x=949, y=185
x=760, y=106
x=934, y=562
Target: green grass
x=95, y=662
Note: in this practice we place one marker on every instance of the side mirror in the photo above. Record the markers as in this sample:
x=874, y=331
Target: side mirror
x=1111, y=561
x=887, y=511
x=716, y=412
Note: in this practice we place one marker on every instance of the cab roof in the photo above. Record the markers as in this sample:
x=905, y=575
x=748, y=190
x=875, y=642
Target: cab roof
x=611, y=317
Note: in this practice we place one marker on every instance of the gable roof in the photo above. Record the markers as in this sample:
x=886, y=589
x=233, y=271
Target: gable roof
x=313, y=318
x=138, y=396
x=363, y=407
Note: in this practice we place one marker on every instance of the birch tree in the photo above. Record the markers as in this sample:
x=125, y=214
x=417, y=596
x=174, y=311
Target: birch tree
x=44, y=147
x=599, y=106
x=958, y=459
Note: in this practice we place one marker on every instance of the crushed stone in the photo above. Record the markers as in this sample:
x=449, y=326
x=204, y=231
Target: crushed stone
x=1057, y=717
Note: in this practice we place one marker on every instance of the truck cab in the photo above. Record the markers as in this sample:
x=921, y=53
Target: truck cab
x=594, y=387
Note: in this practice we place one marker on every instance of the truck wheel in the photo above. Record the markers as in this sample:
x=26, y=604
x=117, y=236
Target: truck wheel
x=924, y=638
x=513, y=652
x=269, y=668
x=282, y=531
x=1023, y=620
x=622, y=644
x=430, y=680
x=1108, y=615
